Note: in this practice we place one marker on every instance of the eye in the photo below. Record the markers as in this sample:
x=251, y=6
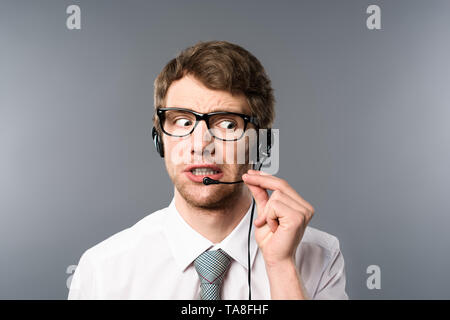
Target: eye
x=227, y=124
x=183, y=122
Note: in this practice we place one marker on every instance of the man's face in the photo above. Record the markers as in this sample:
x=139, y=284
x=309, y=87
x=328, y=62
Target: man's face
x=201, y=148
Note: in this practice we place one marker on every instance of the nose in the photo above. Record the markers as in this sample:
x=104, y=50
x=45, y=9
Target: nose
x=202, y=140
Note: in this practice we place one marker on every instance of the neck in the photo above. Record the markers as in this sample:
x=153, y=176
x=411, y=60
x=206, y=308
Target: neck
x=214, y=224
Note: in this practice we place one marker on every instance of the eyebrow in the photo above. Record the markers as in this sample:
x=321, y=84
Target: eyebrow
x=214, y=109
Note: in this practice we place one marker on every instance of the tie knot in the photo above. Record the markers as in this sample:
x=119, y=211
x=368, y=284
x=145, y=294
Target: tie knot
x=211, y=267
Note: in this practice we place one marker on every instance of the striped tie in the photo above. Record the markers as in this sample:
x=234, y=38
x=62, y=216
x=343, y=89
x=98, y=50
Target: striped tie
x=211, y=267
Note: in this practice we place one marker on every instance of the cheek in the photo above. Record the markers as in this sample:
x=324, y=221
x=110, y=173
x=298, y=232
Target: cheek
x=223, y=152
x=176, y=151
x=231, y=152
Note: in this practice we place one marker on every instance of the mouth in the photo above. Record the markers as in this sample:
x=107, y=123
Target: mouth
x=204, y=171
x=196, y=173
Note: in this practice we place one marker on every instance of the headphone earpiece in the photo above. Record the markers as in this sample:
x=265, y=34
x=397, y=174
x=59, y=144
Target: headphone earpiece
x=264, y=147
x=269, y=142
x=157, y=142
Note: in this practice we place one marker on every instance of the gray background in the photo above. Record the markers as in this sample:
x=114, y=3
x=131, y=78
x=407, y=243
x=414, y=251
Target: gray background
x=363, y=118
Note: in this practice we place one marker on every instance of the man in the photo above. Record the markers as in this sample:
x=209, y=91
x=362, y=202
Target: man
x=196, y=248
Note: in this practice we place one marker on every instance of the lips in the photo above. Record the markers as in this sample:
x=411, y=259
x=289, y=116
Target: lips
x=203, y=170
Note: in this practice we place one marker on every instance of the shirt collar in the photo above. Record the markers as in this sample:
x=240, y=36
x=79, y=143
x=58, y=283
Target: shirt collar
x=186, y=244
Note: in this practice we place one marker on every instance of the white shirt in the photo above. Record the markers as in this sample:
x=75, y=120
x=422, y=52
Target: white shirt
x=154, y=258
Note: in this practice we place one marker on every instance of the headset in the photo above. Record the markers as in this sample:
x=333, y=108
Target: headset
x=264, y=148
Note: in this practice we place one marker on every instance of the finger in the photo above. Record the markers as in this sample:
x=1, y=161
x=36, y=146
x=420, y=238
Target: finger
x=278, y=195
x=273, y=183
x=266, y=181
x=281, y=212
x=288, y=200
x=271, y=217
x=262, y=214
x=283, y=185
x=261, y=197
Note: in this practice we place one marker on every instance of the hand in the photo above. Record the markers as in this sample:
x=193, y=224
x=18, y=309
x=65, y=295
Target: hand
x=281, y=219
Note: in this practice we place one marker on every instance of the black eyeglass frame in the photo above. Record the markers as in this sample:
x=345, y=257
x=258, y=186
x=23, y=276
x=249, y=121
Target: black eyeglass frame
x=205, y=116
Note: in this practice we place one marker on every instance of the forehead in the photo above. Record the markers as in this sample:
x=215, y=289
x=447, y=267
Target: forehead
x=190, y=93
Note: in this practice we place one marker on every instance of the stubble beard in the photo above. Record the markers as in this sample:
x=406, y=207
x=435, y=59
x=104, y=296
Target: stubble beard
x=224, y=195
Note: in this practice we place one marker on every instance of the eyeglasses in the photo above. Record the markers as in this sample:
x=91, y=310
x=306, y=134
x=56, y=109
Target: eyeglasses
x=226, y=126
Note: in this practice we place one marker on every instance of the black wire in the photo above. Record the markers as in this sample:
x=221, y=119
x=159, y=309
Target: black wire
x=249, y=272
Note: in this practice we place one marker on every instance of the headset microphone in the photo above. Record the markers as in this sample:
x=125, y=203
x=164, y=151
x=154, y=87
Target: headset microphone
x=207, y=181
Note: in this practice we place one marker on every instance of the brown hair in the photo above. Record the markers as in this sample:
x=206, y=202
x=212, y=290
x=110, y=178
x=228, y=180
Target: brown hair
x=221, y=65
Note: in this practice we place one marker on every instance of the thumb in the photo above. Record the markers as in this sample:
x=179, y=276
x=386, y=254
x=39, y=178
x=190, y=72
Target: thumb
x=261, y=197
